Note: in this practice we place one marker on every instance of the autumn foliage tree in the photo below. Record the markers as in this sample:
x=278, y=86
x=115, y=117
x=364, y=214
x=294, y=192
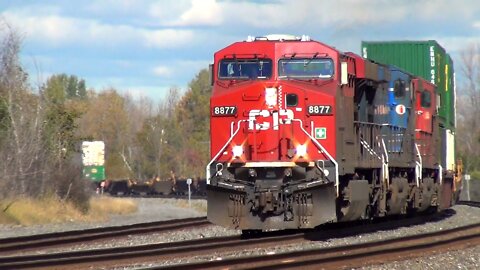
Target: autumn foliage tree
x=37, y=133
x=192, y=114
x=61, y=87
x=175, y=138
x=41, y=130
x=21, y=118
x=105, y=119
x=468, y=110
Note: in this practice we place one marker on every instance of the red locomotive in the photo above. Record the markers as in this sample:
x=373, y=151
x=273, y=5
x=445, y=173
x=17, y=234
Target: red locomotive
x=303, y=134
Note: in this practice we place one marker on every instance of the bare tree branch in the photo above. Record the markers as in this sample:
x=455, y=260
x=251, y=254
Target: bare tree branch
x=468, y=128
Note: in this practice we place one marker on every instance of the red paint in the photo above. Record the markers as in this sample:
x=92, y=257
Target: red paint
x=424, y=120
x=273, y=143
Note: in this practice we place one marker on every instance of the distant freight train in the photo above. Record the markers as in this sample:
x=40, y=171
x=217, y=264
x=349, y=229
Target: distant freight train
x=93, y=160
x=303, y=134
x=170, y=187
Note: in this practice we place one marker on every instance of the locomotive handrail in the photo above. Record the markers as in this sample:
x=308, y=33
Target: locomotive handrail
x=337, y=182
x=324, y=151
x=419, y=165
x=385, y=173
x=222, y=149
x=440, y=174
x=369, y=148
x=385, y=152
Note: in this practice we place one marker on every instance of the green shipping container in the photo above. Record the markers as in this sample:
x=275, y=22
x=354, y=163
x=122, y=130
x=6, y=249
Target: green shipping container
x=451, y=91
x=426, y=59
x=94, y=173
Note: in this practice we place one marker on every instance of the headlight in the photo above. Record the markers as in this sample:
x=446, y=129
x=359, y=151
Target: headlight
x=237, y=151
x=271, y=96
x=301, y=150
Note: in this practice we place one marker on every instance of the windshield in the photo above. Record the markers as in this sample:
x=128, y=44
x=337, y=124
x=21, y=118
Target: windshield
x=306, y=68
x=245, y=69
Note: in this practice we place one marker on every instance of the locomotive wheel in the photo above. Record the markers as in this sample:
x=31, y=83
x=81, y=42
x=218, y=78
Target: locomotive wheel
x=428, y=191
x=358, y=194
x=399, y=191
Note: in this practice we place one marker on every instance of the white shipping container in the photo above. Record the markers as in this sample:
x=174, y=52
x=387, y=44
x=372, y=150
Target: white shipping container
x=450, y=150
x=93, y=153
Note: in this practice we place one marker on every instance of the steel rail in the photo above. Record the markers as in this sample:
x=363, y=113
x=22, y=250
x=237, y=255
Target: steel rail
x=156, y=252
x=161, y=250
x=349, y=256
x=469, y=203
x=15, y=244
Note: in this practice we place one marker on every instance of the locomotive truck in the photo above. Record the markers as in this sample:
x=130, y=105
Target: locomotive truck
x=303, y=134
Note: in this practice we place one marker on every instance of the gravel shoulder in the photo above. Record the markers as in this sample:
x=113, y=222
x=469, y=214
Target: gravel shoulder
x=465, y=259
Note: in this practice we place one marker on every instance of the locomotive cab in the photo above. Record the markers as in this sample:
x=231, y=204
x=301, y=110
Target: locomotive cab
x=274, y=126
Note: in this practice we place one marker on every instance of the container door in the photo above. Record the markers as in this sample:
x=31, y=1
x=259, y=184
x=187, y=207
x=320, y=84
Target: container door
x=450, y=156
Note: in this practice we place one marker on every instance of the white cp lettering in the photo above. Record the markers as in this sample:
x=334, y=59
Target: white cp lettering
x=276, y=120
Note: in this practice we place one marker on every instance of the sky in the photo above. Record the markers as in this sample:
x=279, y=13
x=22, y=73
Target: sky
x=145, y=47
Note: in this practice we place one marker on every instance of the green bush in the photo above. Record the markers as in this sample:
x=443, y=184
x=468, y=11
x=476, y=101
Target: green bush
x=71, y=187
x=475, y=175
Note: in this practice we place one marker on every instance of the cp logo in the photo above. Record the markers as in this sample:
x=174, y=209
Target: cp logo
x=277, y=119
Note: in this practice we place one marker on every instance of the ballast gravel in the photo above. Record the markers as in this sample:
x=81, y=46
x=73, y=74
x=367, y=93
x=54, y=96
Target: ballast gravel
x=465, y=259
x=461, y=215
x=155, y=209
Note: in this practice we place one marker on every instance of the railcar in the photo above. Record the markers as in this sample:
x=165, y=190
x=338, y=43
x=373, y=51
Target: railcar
x=429, y=60
x=169, y=187
x=303, y=134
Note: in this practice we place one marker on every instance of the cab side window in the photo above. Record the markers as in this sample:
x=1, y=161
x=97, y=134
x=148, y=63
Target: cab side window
x=399, y=88
x=426, y=99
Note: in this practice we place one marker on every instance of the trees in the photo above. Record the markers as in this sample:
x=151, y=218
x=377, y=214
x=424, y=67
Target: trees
x=60, y=87
x=161, y=140
x=468, y=106
x=21, y=117
x=105, y=118
x=176, y=137
x=40, y=133
x=192, y=114
x=37, y=132
x=60, y=119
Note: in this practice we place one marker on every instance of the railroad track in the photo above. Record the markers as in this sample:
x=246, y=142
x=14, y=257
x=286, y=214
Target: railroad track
x=15, y=244
x=353, y=255
x=165, y=251
x=470, y=203
x=135, y=253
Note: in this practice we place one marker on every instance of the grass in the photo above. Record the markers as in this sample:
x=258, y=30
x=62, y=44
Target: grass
x=26, y=211
x=109, y=205
x=199, y=205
